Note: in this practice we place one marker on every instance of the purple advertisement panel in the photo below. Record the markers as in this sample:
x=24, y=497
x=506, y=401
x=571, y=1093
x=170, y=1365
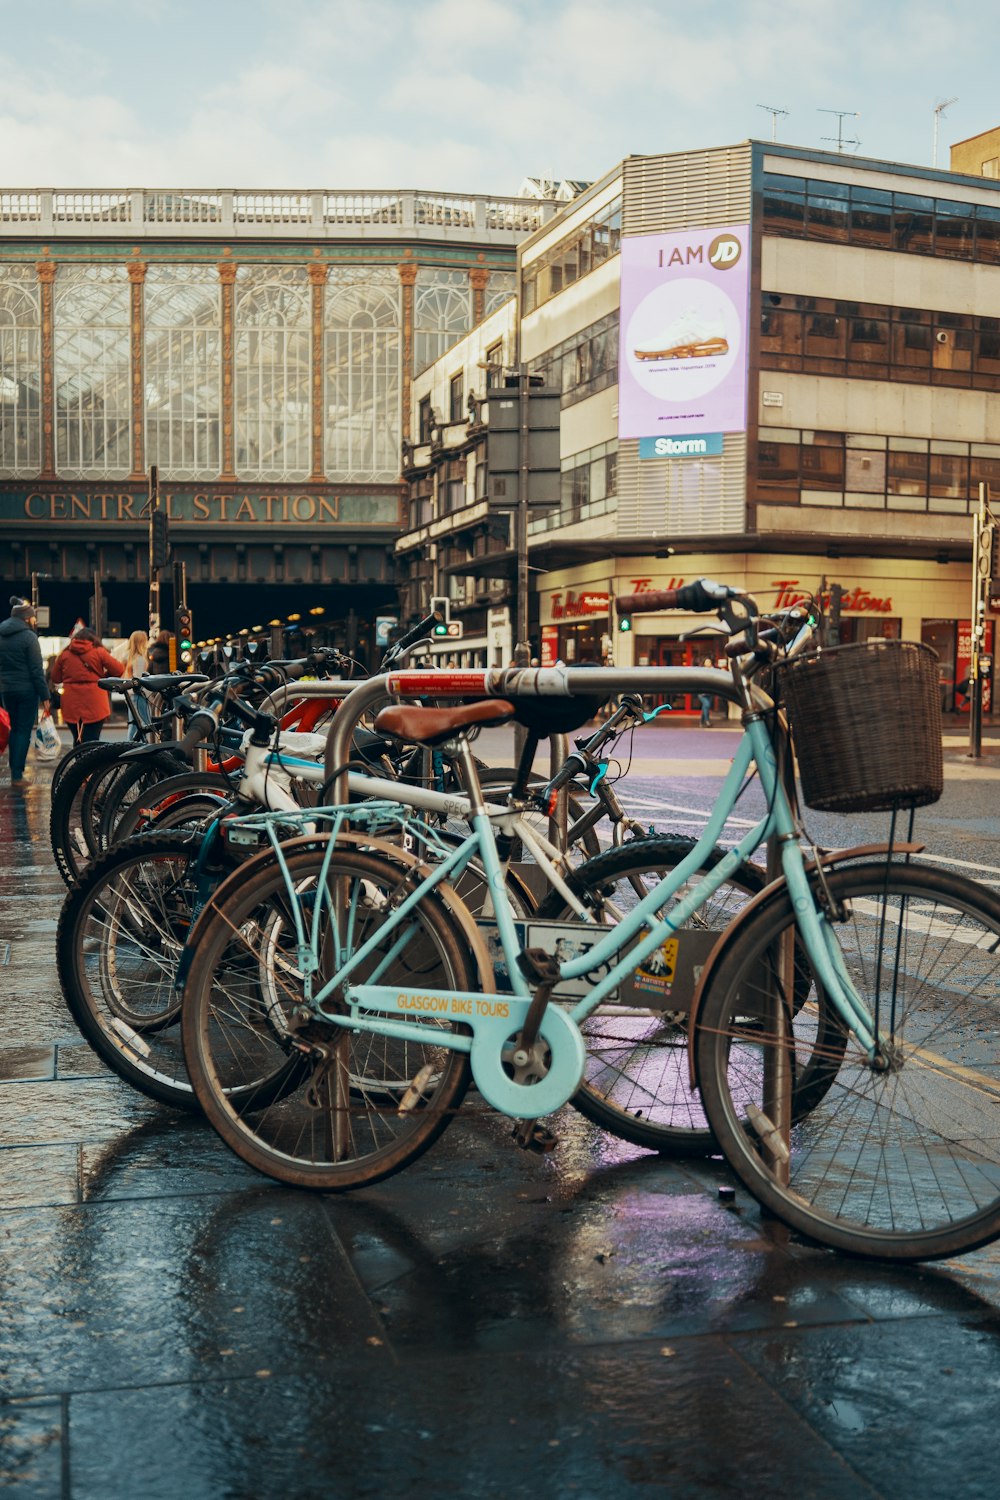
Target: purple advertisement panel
x=683, y=348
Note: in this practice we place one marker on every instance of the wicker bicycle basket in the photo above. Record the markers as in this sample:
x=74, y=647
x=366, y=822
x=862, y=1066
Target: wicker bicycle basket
x=866, y=726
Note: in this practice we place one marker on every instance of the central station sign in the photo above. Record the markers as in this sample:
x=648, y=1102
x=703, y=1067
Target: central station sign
x=209, y=507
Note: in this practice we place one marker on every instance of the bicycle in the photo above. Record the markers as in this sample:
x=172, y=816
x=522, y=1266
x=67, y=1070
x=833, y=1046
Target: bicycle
x=336, y=956
x=123, y=926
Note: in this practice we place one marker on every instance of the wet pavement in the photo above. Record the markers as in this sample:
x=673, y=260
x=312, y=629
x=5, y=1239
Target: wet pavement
x=593, y=1324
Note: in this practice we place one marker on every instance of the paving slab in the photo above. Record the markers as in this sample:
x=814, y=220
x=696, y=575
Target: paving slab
x=490, y=1323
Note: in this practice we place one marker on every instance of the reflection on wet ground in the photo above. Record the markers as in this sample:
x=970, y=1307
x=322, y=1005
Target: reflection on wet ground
x=595, y=1324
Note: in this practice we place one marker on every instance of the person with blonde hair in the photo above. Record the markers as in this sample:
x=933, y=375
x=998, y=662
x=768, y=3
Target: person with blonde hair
x=137, y=665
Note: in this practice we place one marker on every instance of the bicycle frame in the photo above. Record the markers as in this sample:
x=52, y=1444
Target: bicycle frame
x=495, y=1019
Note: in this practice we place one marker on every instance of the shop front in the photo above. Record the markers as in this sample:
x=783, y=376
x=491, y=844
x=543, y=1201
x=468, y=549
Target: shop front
x=881, y=598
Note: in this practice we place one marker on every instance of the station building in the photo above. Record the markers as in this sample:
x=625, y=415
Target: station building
x=258, y=349
x=778, y=367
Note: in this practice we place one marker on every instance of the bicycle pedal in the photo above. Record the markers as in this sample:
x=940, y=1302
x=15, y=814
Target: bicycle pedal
x=538, y=966
x=531, y=1136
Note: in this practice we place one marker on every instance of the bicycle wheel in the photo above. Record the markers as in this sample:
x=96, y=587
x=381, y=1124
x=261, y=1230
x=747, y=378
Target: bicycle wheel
x=67, y=830
x=207, y=790
x=120, y=934
x=67, y=760
x=901, y=1163
x=366, y=1104
x=637, y=1080
x=108, y=791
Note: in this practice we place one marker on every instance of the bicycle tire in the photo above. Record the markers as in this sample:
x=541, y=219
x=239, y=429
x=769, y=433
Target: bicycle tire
x=191, y=810
x=295, y=1138
x=143, y=813
x=107, y=788
x=120, y=934
x=67, y=832
x=116, y=967
x=69, y=759
x=637, y=1079
x=902, y=1164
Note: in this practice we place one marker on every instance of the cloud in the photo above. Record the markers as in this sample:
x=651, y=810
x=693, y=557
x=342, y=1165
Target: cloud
x=463, y=95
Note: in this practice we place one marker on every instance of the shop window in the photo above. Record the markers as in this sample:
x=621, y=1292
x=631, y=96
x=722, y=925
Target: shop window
x=871, y=218
x=780, y=328
x=822, y=467
x=949, y=475
x=456, y=398
x=952, y=347
x=493, y=360
x=865, y=471
x=911, y=345
x=784, y=204
x=869, y=340
x=954, y=230
x=913, y=224
x=987, y=234
x=824, y=336
x=778, y=464
x=907, y=474
x=827, y=211
x=984, y=469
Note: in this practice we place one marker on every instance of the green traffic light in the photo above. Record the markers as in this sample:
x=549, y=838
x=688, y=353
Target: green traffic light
x=440, y=629
x=625, y=624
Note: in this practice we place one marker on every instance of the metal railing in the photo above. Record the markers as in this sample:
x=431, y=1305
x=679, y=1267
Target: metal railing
x=316, y=213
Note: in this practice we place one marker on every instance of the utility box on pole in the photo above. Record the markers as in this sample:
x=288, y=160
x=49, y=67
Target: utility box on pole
x=523, y=469
x=538, y=450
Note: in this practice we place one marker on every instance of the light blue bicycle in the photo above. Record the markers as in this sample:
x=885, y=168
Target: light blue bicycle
x=843, y=1036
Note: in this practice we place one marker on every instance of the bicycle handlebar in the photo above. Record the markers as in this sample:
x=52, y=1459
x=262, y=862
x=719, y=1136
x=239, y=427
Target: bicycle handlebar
x=419, y=632
x=699, y=598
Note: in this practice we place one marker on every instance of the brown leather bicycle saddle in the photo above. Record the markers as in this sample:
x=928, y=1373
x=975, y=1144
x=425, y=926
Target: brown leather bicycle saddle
x=432, y=726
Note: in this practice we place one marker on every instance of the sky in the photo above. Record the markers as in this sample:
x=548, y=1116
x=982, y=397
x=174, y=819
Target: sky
x=469, y=95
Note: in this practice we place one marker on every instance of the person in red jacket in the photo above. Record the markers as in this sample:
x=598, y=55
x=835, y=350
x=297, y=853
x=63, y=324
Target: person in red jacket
x=85, y=706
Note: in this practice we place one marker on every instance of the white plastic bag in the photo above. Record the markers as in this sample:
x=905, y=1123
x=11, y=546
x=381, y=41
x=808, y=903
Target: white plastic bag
x=46, y=738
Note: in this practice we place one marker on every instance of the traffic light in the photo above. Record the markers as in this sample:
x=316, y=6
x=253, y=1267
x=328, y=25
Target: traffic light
x=625, y=624
x=184, y=632
x=159, y=538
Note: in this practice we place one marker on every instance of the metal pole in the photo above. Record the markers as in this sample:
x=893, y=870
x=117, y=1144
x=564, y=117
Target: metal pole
x=976, y=640
x=154, y=577
x=522, y=651
x=776, y=1096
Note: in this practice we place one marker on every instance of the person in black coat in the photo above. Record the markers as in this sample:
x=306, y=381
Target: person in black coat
x=22, y=682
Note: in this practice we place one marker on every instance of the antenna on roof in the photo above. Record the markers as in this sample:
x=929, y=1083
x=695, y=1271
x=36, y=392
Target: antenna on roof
x=842, y=115
x=939, y=110
x=774, y=112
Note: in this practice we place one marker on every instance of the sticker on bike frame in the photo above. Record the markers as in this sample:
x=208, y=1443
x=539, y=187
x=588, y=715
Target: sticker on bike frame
x=666, y=980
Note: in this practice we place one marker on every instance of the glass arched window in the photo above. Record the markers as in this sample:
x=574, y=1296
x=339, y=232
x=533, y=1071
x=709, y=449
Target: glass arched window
x=442, y=313
x=271, y=355
x=499, y=289
x=92, y=376
x=20, y=372
x=183, y=370
x=362, y=357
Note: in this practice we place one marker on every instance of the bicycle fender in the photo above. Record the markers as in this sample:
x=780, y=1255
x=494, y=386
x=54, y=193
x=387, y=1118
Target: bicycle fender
x=772, y=893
